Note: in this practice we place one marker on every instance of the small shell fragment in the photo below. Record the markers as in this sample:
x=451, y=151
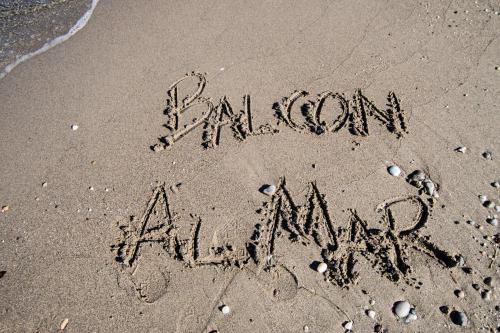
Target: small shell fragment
x=74, y=127
x=394, y=170
x=268, y=189
x=64, y=323
x=461, y=149
x=5, y=209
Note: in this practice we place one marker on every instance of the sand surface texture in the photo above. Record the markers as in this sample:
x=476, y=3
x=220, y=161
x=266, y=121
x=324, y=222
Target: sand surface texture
x=188, y=166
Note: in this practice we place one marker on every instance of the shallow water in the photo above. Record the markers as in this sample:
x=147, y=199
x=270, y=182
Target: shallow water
x=29, y=27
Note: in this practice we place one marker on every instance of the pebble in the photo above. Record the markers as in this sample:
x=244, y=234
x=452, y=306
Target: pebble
x=371, y=314
x=402, y=309
x=497, y=208
x=483, y=199
x=91, y=188
x=74, y=127
x=488, y=155
x=371, y=302
x=5, y=209
x=225, y=309
x=306, y=329
x=460, y=293
x=495, y=184
x=458, y=318
x=493, y=221
x=322, y=267
x=471, y=222
x=348, y=325
x=394, y=170
x=461, y=149
x=44, y=184
x=269, y=189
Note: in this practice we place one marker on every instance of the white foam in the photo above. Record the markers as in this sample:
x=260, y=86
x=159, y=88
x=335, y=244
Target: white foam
x=50, y=44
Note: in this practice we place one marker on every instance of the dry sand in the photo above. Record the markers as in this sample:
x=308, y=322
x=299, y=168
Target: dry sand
x=103, y=234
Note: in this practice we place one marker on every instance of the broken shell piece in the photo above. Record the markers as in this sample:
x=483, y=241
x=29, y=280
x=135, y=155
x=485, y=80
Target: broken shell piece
x=394, y=170
x=5, y=208
x=461, y=149
x=322, y=267
x=74, y=127
x=64, y=323
x=416, y=178
x=495, y=184
x=268, y=189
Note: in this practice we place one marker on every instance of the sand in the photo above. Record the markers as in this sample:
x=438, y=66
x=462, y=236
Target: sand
x=105, y=234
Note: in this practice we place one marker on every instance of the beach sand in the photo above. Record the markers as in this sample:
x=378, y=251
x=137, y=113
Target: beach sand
x=120, y=224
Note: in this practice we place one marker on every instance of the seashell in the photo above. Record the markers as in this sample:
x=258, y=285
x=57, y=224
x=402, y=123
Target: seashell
x=322, y=267
x=225, y=310
x=401, y=309
x=394, y=170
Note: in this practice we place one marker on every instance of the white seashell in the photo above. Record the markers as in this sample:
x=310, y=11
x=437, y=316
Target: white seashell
x=461, y=149
x=402, y=309
x=371, y=314
x=394, y=170
x=348, y=325
x=74, y=127
x=268, y=189
x=322, y=267
x=497, y=208
x=225, y=310
x=493, y=221
x=495, y=184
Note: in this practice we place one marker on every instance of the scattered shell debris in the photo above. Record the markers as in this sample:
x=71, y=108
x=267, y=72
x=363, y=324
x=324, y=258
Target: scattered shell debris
x=394, y=170
x=419, y=179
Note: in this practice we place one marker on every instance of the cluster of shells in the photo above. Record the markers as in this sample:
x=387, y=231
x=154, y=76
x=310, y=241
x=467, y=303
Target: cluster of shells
x=420, y=180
